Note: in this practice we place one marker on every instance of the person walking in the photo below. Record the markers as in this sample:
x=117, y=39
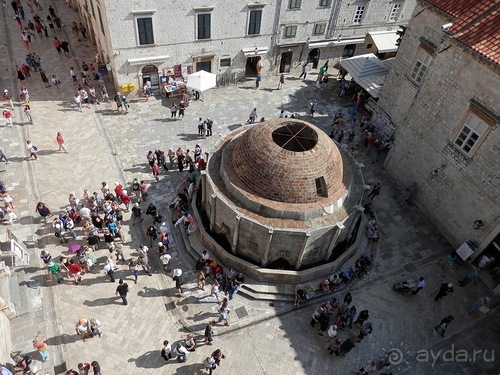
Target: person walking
x=44, y=78
x=126, y=104
x=173, y=111
x=109, y=270
x=60, y=142
x=252, y=116
x=27, y=113
x=54, y=269
x=166, y=351
x=375, y=191
x=444, y=290
x=119, y=101
x=57, y=45
x=469, y=277
x=72, y=73
x=32, y=149
x=281, y=81
x=178, y=281
x=82, y=328
x=443, y=324
x=122, y=290
x=65, y=48
x=314, y=107
x=304, y=71
x=209, y=331
x=8, y=98
x=8, y=117
x=41, y=346
x=78, y=101
x=3, y=157
x=56, y=83
x=420, y=285
x=182, y=109
x=237, y=283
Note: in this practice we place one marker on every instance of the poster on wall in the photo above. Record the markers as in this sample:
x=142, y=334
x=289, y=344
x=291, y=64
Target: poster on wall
x=383, y=124
x=184, y=71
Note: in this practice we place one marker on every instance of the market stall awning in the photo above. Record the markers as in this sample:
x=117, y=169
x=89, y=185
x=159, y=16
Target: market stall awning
x=201, y=81
x=256, y=51
x=148, y=60
x=385, y=41
x=368, y=71
x=335, y=42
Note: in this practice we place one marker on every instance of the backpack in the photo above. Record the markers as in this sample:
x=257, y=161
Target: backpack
x=136, y=186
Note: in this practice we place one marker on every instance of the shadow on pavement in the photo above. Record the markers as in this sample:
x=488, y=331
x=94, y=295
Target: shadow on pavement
x=201, y=316
x=152, y=292
x=150, y=359
x=115, y=300
x=187, y=136
x=64, y=338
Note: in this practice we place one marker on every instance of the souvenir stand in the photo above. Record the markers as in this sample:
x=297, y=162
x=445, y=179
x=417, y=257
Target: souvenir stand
x=172, y=84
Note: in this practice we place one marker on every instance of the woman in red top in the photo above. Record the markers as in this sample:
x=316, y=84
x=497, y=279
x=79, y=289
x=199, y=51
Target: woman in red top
x=60, y=142
x=125, y=199
x=75, y=271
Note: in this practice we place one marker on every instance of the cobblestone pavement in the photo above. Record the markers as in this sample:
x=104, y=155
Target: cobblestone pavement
x=108, y=146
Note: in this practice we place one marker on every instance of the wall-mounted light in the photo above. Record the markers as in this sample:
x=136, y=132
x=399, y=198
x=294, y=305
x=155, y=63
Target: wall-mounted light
x=477, y=224
x=256, y=50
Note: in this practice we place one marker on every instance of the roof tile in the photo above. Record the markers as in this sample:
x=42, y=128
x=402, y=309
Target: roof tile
x=476, y=23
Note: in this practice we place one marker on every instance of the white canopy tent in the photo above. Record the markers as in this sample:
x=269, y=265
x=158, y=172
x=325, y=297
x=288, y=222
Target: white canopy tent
x=368, y=71
x=201, y=81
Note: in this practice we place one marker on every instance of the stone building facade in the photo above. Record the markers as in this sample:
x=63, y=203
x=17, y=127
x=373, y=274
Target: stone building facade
x=441, y=104
x=145, y=40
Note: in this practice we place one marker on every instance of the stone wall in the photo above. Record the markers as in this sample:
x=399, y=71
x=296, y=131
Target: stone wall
x=454, y=189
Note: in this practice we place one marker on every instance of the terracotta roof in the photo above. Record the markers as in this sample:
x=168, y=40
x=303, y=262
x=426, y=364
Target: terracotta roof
x=476, y=23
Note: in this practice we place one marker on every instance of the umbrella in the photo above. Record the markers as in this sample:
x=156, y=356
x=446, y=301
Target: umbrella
x=74, y=248
x=201, y=81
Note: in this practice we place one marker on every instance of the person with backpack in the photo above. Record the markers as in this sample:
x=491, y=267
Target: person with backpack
x=32, y=149
x=23, y=363
x=181, y=353
x=59, y=230
x=137, y=213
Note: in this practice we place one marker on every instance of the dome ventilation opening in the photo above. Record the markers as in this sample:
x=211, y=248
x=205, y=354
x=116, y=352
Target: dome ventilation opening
x=321, y=188
x=295, y=137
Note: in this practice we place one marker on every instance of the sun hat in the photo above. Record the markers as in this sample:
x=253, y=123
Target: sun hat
x=177, y=272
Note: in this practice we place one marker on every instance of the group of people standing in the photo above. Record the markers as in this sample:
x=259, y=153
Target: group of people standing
x=336, y=316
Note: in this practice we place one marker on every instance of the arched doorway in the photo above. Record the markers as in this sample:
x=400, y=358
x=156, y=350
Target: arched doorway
x=252, y=66
x=313, y=57
x=150, y=73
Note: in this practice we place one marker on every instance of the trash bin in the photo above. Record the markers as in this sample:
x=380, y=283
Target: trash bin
x=124, y=88
x=131, y=87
